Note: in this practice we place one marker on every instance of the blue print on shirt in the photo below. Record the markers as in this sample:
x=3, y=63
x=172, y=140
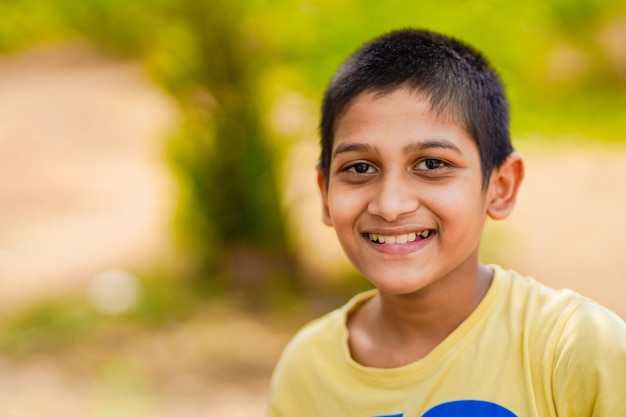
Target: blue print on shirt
x=468, y=408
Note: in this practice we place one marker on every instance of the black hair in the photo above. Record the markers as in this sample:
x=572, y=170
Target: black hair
x=455, y=78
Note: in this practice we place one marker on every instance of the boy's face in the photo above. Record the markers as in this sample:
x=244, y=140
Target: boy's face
x=404, y=192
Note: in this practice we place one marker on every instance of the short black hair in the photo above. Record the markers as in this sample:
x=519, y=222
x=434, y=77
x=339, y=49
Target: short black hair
x=455, y=78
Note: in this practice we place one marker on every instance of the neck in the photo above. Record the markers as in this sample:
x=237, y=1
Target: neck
x=393, y=330
x=435, y=311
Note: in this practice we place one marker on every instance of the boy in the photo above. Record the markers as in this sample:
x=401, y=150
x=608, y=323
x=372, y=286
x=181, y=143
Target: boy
x=415, y=156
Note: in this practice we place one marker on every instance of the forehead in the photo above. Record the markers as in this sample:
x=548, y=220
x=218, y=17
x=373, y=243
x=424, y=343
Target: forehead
x=383, y=120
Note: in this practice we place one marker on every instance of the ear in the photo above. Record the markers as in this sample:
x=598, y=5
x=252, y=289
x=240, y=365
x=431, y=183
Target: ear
x=321, y=184
x=503, y=186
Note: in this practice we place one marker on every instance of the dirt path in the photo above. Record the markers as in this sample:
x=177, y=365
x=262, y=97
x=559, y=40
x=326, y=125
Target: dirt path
x=203, y=367
x=83, y=186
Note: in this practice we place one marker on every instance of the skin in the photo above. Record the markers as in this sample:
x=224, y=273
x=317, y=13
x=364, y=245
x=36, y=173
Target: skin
x=399, y=170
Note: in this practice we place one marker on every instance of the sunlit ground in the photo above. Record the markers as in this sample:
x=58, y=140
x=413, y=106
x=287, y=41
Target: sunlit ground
x=213, y=364
x=85, y=195
x=83, y=186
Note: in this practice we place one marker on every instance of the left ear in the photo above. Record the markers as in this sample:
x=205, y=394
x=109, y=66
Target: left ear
x=503, y=187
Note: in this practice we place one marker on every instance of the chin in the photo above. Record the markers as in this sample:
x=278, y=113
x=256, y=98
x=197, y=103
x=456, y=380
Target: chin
x=400, y=286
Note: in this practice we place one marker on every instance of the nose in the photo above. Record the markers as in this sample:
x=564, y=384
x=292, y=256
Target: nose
x=395, y=196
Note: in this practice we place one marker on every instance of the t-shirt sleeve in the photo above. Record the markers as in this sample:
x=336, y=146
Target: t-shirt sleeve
x=287, y=381
x=589, y=374
x=294, y=379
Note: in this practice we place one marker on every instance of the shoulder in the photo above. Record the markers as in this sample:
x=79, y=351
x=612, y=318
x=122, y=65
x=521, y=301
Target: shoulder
x=578, y=345
x=321, y=332
x=316, y=354
x=589, y=363
x=525, y=296
x=593, y=331
x=329, y=327
x=321, y=341
x=563, y=313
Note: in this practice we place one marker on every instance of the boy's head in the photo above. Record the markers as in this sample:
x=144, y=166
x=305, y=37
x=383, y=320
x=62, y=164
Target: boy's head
x=456, y=79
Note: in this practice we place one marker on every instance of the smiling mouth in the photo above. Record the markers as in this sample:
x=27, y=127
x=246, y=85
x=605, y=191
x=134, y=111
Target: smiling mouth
x=399, y=239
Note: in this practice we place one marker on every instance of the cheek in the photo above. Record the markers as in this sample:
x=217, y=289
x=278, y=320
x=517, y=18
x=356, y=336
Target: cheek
x=459, y=206
x=344, y=207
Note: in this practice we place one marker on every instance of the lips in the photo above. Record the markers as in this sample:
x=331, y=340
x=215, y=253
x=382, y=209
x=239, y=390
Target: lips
x=401, y=238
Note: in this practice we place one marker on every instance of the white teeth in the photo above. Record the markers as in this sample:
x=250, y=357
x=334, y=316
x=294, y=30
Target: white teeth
x=398, y=239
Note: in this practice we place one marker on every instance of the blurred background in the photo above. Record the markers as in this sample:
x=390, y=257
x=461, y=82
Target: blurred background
x=160, y=232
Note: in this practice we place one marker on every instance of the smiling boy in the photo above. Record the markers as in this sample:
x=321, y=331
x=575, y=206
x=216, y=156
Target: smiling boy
x=416, y=156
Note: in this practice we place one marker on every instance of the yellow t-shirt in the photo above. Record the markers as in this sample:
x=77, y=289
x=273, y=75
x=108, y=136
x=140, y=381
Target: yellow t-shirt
x=526, y=350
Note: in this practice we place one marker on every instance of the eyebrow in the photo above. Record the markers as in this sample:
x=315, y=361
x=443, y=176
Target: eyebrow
x=431, y=144
x=411, y=147
x=353, y=147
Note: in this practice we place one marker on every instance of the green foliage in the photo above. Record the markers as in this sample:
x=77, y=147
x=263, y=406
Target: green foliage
x=161, y=302
x=24, y=22
x=117, y=25
x=47, y=326
x=54, y=324
x=221, y=154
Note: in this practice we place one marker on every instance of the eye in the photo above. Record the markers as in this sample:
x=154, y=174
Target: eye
x=431, y=164
x=360, y=168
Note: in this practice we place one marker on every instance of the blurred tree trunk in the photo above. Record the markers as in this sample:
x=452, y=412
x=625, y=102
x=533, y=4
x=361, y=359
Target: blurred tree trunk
x=232, y=215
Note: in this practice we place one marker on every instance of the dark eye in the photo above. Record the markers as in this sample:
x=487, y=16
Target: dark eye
x=431, y=164
x=361, y=168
